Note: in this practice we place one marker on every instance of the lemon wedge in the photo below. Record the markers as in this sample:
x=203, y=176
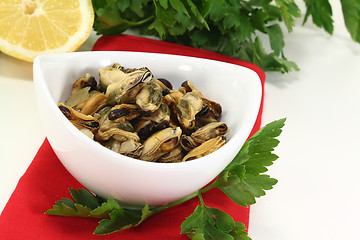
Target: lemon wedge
x=30, y=28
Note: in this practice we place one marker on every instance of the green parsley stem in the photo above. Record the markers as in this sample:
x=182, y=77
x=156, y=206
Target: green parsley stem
x=184, y=199
x=174, y=203
x=209, y=187
x=201, y=200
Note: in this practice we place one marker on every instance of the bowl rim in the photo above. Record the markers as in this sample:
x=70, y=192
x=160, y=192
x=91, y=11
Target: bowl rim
x=114, y=157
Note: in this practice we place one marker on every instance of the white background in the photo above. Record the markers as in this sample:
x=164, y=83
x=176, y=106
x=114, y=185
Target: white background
x=318, y=193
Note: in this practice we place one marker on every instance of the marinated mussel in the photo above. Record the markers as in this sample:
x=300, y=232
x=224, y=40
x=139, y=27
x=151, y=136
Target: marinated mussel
x=117, y=82
x=79, y=120
x=131, y=112
x=160, y=143
x=205, y=148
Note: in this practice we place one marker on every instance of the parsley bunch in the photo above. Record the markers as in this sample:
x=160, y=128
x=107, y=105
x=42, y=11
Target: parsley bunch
x=236, y=28
x=243, y=180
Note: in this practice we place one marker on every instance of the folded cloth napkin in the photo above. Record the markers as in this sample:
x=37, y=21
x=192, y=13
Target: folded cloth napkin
x=47, y=181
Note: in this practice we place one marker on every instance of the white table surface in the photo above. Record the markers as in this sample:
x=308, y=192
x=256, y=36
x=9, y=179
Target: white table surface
x=318, y=193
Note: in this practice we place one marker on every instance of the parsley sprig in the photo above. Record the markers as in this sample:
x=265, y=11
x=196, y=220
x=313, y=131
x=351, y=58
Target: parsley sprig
x=243, y=180
x=238, y=28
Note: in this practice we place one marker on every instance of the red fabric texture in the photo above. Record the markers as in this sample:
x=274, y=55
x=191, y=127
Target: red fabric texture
x=47, y=181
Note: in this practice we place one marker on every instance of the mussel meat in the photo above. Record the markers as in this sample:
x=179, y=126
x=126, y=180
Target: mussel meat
x=79, y=120
x=187, y=108
x=135, y=114
x=205, y=148
x=149, y=98
x=160, y=143
x=117, y=82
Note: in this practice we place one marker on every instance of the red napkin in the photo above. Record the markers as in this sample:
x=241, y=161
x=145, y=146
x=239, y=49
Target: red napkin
x=47, y=181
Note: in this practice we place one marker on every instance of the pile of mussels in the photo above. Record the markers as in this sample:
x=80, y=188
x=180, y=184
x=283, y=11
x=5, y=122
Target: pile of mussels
x=131, y=112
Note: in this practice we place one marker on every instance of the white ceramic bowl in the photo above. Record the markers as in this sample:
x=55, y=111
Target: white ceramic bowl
x=129, y=180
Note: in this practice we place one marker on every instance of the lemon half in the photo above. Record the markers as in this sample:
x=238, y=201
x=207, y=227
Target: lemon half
x=29, y=28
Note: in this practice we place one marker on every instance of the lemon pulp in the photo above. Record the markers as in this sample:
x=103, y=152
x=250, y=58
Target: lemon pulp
x=29, y=28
